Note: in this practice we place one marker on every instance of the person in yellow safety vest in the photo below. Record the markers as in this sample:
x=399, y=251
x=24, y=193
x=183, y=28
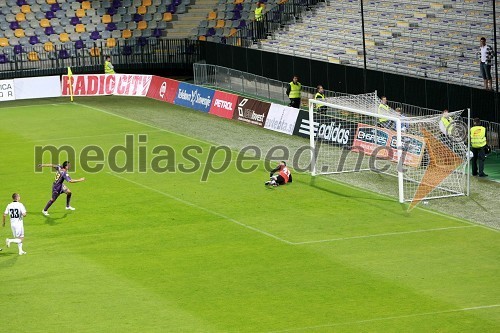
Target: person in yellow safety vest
x=383, y=108
x=293, y=92
x=259, y=22
x=446, y=123
x=108, y=66
x=478, y=144
x=320, y=96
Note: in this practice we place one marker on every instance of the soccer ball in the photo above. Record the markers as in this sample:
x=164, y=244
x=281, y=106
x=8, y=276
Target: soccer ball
x=470, y=155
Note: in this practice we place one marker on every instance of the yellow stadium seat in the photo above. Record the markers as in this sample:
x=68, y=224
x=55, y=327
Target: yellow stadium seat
x=64, y=37
x=212, y=15
x=203, y=38
x=33, y=56
x=4, y=42
x=19, y=33
x=44, y=23
x=233, y=32
x=106, y=19
x=142, y=25
x=25, y=9
x=126, y=33
x=51, y=2
x=220, y=24
x=20, y=17
x=111, y=42
x=48, y=47
x=80, y=28
x=146, y=3
x=236, y=2
x=141, y=10
x=80, y=12
x=95, y=52
x=167, y=17
x=86, y=5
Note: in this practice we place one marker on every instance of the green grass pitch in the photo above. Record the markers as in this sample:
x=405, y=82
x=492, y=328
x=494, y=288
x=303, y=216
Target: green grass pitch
x=165, y=252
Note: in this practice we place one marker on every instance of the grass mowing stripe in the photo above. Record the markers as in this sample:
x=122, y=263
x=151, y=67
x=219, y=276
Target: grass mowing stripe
x=475, y=308
x=203, y=209
x=33, y=106
x=383, y=235
x=144, y=124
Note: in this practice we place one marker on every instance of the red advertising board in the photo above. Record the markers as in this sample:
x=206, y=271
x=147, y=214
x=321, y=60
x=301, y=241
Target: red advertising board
x=223, y=104
x=101, y=84
x=163, y=89
x=251, y=111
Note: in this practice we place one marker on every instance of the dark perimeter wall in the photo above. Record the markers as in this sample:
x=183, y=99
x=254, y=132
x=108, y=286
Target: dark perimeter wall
x=416, y=91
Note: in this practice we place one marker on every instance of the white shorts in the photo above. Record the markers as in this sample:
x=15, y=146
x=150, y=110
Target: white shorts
x=17, y=229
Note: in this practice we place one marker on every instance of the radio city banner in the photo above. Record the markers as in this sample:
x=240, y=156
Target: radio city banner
x=7, y=90
x=251, y=111
x=370, y=138
x=163, y=89
x=194, y=97
x=223, y=104
x=102, y=84
x=281, y=118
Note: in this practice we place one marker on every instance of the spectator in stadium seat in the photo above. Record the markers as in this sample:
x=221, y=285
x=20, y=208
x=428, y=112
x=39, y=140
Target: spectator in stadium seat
x=486, y=56
x=293, y=92
x=108, y=66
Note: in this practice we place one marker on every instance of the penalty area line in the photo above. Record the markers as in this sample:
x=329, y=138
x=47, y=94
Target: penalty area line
x=475, y=308
x=212, y=212
x=383, y=235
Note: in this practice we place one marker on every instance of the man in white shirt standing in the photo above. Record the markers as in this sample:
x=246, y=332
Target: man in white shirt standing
x=486, y=53
x=16, y=211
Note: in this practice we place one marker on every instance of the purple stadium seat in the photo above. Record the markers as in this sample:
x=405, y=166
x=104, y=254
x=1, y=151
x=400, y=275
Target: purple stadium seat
x=243, y=24
x=63, y=54
x=95, y=35
x=55, y=7
x=127, y=50
x=75, y=20
x=157, y=33
x=50, y=15
x=210, y=32
x=116, y=4
x=176, y=2
x=14, y=25
x=3, y=59
x=142, y=41
x=112, y=11
x=238, y=7
x=18, y=49
x=236, y=15
x=171, y=8
x=111, y=26
x=34, y=40
x=49, y=31
x=79, y=44
x=21, y=2
x=137, y=17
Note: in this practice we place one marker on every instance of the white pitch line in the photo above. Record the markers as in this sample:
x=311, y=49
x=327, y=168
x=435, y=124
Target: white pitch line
x=382, y=235
x=203, y=209
x=33, y=106
x=386, y=318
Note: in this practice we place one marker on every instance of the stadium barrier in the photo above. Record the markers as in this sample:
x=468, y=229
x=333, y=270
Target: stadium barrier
x=269, y=115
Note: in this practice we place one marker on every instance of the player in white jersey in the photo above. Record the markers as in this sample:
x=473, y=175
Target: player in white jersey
x=16, y=211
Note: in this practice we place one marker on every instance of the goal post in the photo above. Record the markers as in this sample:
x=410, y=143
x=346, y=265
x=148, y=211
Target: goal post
x=358, y=133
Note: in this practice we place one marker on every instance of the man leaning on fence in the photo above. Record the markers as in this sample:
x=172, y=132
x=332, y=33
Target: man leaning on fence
x=108, y=66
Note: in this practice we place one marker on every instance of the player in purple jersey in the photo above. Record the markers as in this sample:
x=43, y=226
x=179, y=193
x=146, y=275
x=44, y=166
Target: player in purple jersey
x=58, y=187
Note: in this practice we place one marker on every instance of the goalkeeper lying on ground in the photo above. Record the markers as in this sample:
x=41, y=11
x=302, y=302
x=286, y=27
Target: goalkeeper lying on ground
x=284, y=176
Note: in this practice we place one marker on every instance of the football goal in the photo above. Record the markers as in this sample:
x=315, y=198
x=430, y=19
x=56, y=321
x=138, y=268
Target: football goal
x=360, y=133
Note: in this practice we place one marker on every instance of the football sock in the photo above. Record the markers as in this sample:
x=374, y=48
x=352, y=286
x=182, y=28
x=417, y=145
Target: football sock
x=68, y=199
x=47, y=206
x=15, y=240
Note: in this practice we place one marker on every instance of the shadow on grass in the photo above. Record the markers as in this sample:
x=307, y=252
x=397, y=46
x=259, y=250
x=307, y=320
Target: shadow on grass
x=11, y=255
x=53, y=221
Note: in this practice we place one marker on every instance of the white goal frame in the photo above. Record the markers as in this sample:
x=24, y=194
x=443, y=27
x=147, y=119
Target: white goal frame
x=367, y=105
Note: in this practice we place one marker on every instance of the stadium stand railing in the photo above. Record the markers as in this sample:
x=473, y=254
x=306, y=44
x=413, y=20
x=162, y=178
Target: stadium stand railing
x=233, y=80
x=137, y=53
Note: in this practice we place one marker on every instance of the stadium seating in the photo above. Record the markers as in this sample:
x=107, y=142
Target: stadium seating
x=425, y=38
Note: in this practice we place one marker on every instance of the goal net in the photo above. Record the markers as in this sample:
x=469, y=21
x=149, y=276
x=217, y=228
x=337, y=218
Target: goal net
x=359, y=133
